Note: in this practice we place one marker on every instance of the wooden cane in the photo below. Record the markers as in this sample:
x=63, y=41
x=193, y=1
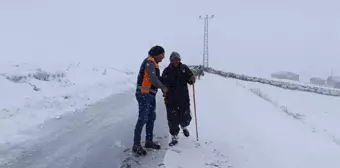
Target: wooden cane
x=194, y=96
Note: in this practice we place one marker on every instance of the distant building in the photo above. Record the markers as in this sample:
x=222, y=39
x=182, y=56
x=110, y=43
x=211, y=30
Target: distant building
x=333, y=81
x=317, y=81
x=285, y=75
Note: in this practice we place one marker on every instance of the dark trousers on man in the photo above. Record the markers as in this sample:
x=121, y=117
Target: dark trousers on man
x=147, y=116
x=178, y=116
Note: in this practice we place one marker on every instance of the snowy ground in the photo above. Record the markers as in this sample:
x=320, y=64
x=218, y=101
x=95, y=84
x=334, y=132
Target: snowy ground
x=100, y=135
x=30, y=96
x=239, y=129
x=319, y=112
x=241, y=124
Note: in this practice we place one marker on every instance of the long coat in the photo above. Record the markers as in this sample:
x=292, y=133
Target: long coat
x=177, y=99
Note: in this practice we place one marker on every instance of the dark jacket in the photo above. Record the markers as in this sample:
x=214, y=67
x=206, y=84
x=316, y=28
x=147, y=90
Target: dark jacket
x=176, y=79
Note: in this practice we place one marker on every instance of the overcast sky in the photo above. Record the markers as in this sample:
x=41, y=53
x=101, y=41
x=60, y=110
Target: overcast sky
x=255, y=37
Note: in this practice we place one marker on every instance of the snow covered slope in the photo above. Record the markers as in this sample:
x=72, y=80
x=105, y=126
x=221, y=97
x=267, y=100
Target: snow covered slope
x=318, y=112
x=298, y=86
x=239, y=129
x=32, y=94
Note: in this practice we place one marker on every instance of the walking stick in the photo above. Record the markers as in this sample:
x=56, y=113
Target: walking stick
x=193, y=92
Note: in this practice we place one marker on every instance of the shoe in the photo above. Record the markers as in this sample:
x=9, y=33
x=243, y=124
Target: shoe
x=152, y=145
x=174, y=141
x=185, y=132
x=139, y=150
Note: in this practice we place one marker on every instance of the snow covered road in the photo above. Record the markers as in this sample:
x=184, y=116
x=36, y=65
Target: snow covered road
x=96, y=137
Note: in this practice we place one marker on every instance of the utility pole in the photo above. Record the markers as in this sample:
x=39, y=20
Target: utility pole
x=205, y=41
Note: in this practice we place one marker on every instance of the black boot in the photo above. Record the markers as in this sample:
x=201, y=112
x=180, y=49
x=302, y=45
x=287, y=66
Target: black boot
x=152, y=145
x=139, y=150
x=174, y=140
x=185, y=132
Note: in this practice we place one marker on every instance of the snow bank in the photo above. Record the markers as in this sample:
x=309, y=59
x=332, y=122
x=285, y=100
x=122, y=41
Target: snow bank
x=251, y=132
x=285, y=75
x=320, y=113
x=32, y=94
x=264, y=96
x=281, y=84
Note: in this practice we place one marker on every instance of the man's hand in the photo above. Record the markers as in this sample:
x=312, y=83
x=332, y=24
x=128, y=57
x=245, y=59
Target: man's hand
x=193, y=78
x=165, y=99
x=165, y=96
x=164, y=90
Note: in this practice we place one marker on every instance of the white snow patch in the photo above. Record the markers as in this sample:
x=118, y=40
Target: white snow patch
x=320, y=113
x=35, y=93
x=119, y=144
x=251, y=132
x=188, y=153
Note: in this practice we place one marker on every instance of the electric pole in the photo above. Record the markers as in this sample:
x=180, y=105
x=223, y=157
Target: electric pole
x=205, y=41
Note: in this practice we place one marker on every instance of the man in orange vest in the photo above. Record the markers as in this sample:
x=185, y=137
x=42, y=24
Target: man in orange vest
x=148, y=83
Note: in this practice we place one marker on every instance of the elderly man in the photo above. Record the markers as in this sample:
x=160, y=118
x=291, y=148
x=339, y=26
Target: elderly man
x=176, y=78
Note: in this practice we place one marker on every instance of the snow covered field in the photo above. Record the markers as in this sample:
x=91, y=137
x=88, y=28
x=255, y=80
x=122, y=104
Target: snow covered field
x=285, y=84
x=242, y=130
x=241, y=124
x=318, y=112
x=32, y=94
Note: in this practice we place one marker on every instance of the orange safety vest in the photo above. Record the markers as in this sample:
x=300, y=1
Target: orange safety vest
x=144, y=84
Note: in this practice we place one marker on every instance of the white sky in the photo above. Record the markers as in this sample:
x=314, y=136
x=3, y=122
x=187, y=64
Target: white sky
x=254, y=37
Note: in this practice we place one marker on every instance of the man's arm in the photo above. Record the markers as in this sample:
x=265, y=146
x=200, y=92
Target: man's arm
x=190, y=76
x=165, y=77
x=166, y=81
x=150, y=68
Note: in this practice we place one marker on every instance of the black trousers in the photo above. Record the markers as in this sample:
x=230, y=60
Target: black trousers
x=178, y=116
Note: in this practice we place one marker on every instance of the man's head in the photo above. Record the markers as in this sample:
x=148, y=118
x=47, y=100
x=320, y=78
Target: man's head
x=157, y=52
x=175, y=58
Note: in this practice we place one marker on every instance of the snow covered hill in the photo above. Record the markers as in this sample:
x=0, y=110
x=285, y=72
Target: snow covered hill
x=240, y=129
